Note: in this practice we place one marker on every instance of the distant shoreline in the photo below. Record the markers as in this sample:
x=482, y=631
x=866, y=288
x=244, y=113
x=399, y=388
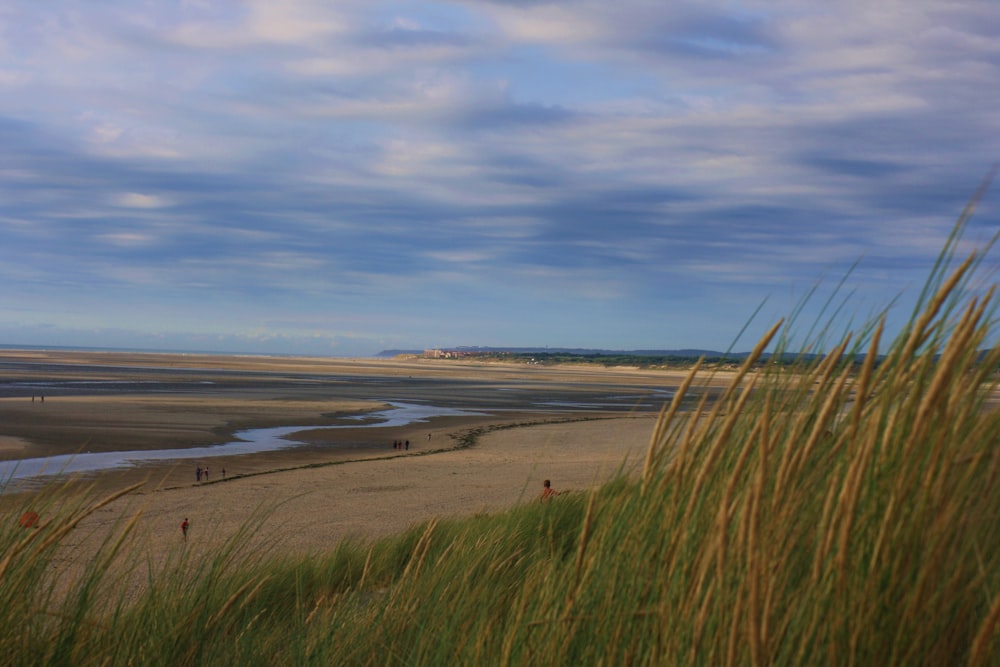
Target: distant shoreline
x=106, y=401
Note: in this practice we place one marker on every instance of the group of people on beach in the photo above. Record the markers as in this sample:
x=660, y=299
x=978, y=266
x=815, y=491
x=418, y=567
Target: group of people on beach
x=400, y=444
x=202, y=473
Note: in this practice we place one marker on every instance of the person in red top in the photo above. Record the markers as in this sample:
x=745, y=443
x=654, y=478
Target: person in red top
x=547, y=490
x=184, y=528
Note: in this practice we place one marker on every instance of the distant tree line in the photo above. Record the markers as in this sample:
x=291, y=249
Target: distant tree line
x=668, y=360
x=613, y=359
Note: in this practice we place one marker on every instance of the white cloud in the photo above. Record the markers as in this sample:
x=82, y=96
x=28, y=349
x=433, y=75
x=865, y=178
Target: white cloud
x=106, y=133
x=291, y=22
x=296, y=21
x=572, y=23
x=14, y=78
x=460, y=256
x=411, y=157
x=140, y=200
x=128, y=239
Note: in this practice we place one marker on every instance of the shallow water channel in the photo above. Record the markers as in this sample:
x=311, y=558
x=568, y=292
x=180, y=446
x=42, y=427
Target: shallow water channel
x=251, y=441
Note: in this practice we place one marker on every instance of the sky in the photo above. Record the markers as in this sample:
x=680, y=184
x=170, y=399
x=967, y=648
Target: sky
x=340, y=178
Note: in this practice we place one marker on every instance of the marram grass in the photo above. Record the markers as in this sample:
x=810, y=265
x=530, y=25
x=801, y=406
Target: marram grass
x=840, y=511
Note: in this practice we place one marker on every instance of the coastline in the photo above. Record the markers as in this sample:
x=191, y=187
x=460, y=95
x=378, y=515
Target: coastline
x=106, y=402
x=306, y=510
x=576, y=426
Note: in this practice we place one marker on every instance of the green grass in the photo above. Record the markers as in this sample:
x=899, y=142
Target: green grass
x=823, y=514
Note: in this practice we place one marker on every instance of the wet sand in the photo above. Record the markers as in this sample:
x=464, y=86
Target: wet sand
x=344, y=482
x=63, y=403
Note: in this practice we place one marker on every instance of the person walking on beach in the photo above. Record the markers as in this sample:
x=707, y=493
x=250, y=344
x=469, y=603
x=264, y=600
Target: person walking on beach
x=547, y=491
x=184, y=528
x=205, y=473
x=197, y=473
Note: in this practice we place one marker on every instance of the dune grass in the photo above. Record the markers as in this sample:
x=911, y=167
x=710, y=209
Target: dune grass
x=841, y=511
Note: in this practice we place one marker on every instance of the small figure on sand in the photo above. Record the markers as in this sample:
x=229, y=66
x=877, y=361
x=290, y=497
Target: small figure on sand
x=407, y=445
x=184, y=528
x=197, y=473
x=204, y=473
x=548, y=491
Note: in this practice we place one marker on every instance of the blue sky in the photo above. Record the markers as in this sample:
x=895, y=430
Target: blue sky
x=338, y=178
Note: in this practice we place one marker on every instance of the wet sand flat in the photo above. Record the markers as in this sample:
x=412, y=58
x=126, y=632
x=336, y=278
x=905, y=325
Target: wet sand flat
x=575, y=425
x=61, y=403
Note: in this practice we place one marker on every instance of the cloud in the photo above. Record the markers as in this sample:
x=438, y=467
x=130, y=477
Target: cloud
x=139, y=200
x=431, y=159
x=128, y=239
x=262, y=23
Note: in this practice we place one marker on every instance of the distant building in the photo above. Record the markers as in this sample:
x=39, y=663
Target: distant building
x=445, y=354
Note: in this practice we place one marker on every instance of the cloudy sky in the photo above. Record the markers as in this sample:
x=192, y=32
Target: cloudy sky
x=338, y=178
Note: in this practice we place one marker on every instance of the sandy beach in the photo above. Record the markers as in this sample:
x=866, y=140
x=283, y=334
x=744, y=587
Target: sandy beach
x=309, y=510
x=340, y=482
x=70, y=404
